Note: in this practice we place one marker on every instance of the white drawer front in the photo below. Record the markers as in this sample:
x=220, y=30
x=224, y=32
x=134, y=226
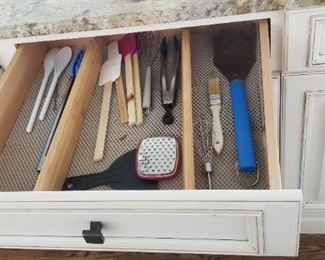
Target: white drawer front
x=305, y=40
x=217, y=222
x=227, y=231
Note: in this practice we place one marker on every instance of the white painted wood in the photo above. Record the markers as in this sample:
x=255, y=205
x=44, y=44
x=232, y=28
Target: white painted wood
x=276, y=21
x=239, y=227
x=313, y=221
x=317, y=40
x=294, y=88
x=130, y=245
x=313, y=151
x=30, y=198
x=302, y=144
x=7, y=51
x=196, y=209
x=298, y=33
x=276, y=80
x=121, y=223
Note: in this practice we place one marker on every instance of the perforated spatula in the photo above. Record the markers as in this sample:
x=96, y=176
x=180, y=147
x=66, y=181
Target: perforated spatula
x=235, y=54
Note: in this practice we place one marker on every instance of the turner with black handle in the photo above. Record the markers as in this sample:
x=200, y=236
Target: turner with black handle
x=119, y=176
x=235, y=54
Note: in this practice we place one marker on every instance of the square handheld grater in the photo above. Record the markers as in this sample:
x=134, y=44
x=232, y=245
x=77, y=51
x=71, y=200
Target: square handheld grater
x=157, y=158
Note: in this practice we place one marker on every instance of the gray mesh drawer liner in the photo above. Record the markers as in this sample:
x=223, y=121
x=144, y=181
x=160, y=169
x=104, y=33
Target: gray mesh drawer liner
x=18, y=161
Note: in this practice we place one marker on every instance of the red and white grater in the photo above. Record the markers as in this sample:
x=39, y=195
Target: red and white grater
x=157, y=158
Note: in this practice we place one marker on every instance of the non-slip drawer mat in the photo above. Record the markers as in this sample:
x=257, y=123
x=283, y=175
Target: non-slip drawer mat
x=18, y=161
x=224, y=174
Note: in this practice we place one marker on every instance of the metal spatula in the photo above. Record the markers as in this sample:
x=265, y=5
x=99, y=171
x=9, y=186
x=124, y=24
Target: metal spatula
x=235, y=54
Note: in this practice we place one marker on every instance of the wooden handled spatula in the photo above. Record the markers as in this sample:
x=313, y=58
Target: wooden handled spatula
x=110, y=71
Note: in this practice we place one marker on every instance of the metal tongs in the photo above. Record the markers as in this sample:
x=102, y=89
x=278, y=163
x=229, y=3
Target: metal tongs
x=169, y=49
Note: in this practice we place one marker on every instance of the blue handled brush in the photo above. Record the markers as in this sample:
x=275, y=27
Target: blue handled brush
x=235, y=54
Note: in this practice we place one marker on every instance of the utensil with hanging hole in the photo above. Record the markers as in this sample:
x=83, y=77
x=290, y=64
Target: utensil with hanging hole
x=235, y=54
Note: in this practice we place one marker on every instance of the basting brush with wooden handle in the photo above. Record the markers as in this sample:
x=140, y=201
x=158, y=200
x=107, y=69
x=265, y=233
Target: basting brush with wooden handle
x=215, y=106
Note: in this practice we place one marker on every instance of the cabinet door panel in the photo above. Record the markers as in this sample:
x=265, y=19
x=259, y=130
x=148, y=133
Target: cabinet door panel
x=303, y=145
x=313, y=151
x=294, y=90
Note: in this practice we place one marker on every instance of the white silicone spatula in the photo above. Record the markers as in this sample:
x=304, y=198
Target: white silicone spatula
x=62, y=59
x=110, y=71
x=48, y=65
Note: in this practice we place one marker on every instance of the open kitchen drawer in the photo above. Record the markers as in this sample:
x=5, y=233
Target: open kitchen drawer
x=229, y=219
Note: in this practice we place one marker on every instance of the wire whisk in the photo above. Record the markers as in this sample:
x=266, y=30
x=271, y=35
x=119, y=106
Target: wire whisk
x=206, y=150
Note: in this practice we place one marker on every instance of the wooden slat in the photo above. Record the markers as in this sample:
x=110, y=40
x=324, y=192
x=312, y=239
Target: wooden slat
x=272, y=149
x=103, y=122
x=188, y=146
x=137, y=89
x=61, y=151
x=121, y=100
x=15, y=84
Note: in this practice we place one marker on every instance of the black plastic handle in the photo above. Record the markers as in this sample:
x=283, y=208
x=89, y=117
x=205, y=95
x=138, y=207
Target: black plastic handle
x=168, y=117
x=94, y=235
x=86, y=182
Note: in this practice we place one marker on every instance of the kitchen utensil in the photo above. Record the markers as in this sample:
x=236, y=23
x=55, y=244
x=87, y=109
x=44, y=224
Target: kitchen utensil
x=149, y=41
x=121, y=100
x=110, y=71
x=73, y=73
x=205, y=129
x=48, y=65
x=235, y=54
x=169, y=49
x=157, y=158
x=215, y=106
x=62, y=59
x=112, y=53
x=119, y=176
x=136, y=82
x=127, y=48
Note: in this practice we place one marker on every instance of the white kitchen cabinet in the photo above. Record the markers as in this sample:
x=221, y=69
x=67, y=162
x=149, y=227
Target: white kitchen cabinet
x=228, y=221
x=7, y=50
x=304, y=41
x=303, y=144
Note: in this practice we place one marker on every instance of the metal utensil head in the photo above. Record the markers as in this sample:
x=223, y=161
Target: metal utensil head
x=157, y=158
x=235, y=50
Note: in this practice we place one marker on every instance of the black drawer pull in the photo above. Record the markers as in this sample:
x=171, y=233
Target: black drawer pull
x=94, y=235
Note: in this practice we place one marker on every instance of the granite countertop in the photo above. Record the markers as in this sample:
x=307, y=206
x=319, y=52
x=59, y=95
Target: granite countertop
x=25, y=18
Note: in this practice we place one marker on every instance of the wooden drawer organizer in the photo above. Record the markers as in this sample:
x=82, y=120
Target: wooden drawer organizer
x=71, y=152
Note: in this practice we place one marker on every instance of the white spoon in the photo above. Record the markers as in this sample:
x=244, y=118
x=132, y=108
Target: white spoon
x=48, y=65
x=62, y=59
